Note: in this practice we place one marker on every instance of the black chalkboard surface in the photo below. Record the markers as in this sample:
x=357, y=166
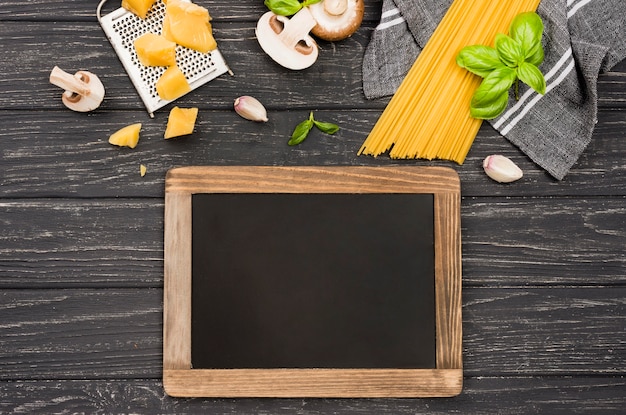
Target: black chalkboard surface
x=312, y=282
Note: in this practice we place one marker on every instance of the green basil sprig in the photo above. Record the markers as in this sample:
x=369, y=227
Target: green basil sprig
x=287, y=7
x=302, y=130
x=515, y=58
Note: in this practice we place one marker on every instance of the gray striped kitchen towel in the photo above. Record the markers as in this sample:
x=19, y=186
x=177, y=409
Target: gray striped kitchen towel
x=582, y=38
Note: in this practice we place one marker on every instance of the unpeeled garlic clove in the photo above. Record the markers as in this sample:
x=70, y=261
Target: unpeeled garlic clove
x=501, y=169
x=250, y=108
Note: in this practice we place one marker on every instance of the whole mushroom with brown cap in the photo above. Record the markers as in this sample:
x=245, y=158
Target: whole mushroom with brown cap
x=286, y=40
x=336, y=19
x=83, y=91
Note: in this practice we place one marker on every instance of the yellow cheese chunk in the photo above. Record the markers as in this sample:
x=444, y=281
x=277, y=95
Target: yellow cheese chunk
x=155, y=50
x=138, y=7
x=181, y=121
x=165, y=29
x=188, y=25
x=127, y=136
x=172, y=84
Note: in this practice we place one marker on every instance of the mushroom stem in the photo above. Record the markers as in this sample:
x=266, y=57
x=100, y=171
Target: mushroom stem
x=297, y=28
x=69, y=82
x=335, y=7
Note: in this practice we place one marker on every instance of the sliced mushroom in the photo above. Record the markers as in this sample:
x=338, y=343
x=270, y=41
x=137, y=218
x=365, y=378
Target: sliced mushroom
x=83, y=91
x=337, y=19
x=287, y=41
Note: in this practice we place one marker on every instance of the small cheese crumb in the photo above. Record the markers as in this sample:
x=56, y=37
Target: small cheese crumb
x=142, y=170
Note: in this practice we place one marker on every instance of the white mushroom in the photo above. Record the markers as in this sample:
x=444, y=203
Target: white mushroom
x=287, y=41
x=337, y=19
x=83, y=90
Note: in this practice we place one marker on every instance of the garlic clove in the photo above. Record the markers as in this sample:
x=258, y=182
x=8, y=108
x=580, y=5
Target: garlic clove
x=250, y=108
x=501, y=169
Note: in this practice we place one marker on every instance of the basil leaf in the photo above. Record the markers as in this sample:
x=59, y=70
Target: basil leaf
x=494, y=85
x=478, y=59
x=532, y=76
x=301, y=132
x=306, y=3
x=527, y=29
x=303, y=129
x=492, y=96
x=515, y=57
x=536, y=56
x=326, y=127
x=283, y=7
x=509, y=50
x=491, y=109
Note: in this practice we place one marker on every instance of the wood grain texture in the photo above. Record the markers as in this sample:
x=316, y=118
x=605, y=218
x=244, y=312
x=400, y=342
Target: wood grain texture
x=117, y=333
x=314, y=383
x=312, y=179
x=85, y=10
x=81, y=233
x=448, y=280
x=484, y=395
x=177, y=282
x=82, y=243
x=56, y=154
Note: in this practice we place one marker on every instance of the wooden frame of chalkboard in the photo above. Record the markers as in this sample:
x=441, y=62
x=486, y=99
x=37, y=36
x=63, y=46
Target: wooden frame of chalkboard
x=180, y=379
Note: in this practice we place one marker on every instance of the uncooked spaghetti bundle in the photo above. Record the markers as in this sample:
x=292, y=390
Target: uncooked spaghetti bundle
x=429, y=115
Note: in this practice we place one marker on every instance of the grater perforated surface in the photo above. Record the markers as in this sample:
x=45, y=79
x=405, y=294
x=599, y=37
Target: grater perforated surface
x=123, y=27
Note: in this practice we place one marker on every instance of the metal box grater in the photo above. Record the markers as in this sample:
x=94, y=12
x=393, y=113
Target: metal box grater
x=123, y=27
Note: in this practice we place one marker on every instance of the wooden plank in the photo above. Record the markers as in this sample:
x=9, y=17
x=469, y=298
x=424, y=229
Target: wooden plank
x=74, y=243
x=313, y=179
x=70, y=334
x=541, y=242
x=177, y=284
x=544, y=331
x=67, y=154
x=314, y=383
x=117, y=333
x=611, y=86
x=119, y=243
x=85, y=11
x=484, y=395
x=448, y=281
x=80, y=10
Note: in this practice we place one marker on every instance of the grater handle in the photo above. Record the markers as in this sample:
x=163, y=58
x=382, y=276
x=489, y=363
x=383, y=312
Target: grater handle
x=99, y=10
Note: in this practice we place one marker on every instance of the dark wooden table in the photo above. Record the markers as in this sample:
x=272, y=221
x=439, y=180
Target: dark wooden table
x=81, y=232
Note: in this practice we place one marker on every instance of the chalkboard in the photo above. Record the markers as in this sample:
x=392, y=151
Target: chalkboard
x=312, y=281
